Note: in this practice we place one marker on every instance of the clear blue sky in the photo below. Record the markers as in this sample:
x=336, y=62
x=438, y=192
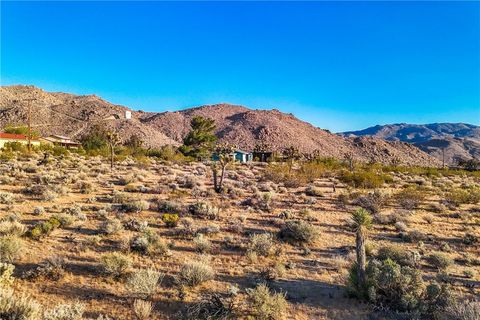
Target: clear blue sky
x=338, y=65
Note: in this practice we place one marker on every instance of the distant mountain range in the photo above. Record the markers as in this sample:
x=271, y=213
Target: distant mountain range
x=75, y=115
x=449, y=141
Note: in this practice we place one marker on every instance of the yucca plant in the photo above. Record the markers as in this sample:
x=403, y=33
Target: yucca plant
x=361, y=222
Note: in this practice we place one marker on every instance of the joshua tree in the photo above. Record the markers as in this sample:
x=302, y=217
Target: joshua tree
x=362, y=221
x=224, y=153
x=113, y=140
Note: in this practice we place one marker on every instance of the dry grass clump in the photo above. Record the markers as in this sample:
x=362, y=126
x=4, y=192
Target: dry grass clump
x=142, y=309
x=116, y=264
x=440, y=261
x=11, y=227
x=66, y=311
x=17, y=306
x=202, y=244
x=194, y=273
x=261, y=244
x=266, y=305
x=111, y=226
x=144, y=282
x=10, y=248
x=6, y=275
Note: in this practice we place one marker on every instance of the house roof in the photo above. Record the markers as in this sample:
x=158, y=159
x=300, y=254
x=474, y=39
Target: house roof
x=60, y=137
x=14, y=136
x=241, y=151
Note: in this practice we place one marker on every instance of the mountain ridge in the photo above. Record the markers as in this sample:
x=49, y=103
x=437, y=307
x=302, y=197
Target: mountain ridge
x=69, y=114
x=447, y=141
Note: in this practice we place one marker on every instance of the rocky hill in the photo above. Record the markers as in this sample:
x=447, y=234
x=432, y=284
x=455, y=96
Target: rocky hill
x=74, y=115
x=452, y=141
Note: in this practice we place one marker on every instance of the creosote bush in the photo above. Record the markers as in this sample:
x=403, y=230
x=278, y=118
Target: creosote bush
x=299, y=232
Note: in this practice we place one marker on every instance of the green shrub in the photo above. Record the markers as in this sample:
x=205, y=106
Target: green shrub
x=398, y=254
x=266, y=305
x=364, y=179
x=170, y=219
x=440, y=261
x=410, y=198
x=458, y=196
x=299, y=232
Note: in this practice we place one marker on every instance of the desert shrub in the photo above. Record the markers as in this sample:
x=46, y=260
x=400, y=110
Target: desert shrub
x=398, y=287
x=66, y=311
x=134, y=224
x=313, y=191
x=410, y=198
x=261, y=201
x=52, y=268
x=470, y=239
x=462, y=310
x=165, y=206
x=440, y=261
x=6, y=198
x=195, y=272
x=144, y=282
x=8, y=227
x=261, y=244
x=42, y=229
x=204, y=210
x=38, y=211
x=6, y=275
x=149, y=243
x=170, y=219
x=135, y=206
x=66, y=219
x=142, y=309
x=85, y=187
x=17, y=307
x=398, y=254
x=202, y=244
x=413, y=236
x=364, y=179
x=373, y=202
x=10, y=248
x=211, y=307
x=266, y=305
x=299, y=232
x=111, y=226
x=458, y=196
x=116, y=264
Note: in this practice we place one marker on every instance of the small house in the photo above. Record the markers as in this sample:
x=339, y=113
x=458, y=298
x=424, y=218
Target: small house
x=243, y=156
x=238, y=155
x=20, y=138
x=61, y=141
